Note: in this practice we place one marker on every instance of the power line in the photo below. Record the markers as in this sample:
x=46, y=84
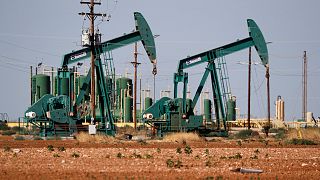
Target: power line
x=29, y=49
x=9, y=66
x=37, y=36
x=14, y=59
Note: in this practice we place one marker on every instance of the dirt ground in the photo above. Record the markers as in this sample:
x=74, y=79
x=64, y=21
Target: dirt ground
x=32, y=159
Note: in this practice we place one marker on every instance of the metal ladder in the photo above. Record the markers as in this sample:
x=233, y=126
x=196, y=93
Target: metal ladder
x=224, y=78
x=110, y=75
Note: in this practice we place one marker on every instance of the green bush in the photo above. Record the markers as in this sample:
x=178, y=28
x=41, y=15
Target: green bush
x=274, y=130
x=237, y=156
x=18, y=129
x=280, y=135
x=37, y=138
x=170, y=163
x=208, y=163
x=4, y=127
x=280, y=132
x=119, y=155
x=75, y=155
x=50, y=148
x=206, y=152
x=254, y=157
x=19, y=138
x=6, y=149
x=179, y=151
x=178, y=164
x=301, y=142
x=148, y=156
x=135, y=155
x=188, y=149
x=34, y=130
x=61, y=148
x=8, y=133
x=56, y=155
x=244, y=134
x=223, y=157
x=142, y=142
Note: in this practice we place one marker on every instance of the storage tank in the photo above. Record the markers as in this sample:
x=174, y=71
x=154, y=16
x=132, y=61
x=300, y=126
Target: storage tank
x=55, y=90
x=40, y=86
x=123, y=85
x=280, y=109
x=231, y=109
x=64, y=86
x=207, y=104
x=309, y=117
x=147, y=102
x=128, y=102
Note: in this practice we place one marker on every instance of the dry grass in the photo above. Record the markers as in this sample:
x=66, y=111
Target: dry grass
x=125, y=130
x=130, y=130
x=308, y=133
x=98, y=138
x=182, y=137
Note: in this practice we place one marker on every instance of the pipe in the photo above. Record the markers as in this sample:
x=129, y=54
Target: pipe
x=31, y=85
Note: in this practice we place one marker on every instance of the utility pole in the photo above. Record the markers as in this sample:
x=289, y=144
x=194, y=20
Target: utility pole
x=304, y=85
x=93, y=78
x=92, y=16
x=31, y=86
x=268, y=97
x=135, y=65
x=140, y=90
x=249, y=88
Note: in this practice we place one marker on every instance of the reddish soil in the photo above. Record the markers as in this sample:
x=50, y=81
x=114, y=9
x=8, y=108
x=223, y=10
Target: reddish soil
x=134, y=160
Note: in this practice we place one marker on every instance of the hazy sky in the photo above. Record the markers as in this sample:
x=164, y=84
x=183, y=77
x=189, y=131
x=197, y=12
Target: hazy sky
x=42, y=31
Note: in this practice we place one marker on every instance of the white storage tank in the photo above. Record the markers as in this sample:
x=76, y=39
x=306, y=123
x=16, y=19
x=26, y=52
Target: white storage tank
x=309, y=117
x=280, y=109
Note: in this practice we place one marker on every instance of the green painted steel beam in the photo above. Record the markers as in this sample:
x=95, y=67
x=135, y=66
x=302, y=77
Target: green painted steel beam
x=256, y=39
x=215, y=53
x=201, y=85
x=83, y=88
x=217, y=97
x=143, y=33
x=259, y=41
x=110, y=45
x=108, y=121
x=146, y=36
x=119, y=42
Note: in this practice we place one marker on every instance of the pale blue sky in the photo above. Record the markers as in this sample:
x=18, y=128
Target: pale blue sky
x=42, y=30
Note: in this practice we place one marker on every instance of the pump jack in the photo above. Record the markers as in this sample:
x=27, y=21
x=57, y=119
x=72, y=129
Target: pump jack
x=61, y=114
x=180, y=117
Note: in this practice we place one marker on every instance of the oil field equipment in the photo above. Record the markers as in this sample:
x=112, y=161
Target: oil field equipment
x=177, y=114
x=62, y=112
x=280, y=109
